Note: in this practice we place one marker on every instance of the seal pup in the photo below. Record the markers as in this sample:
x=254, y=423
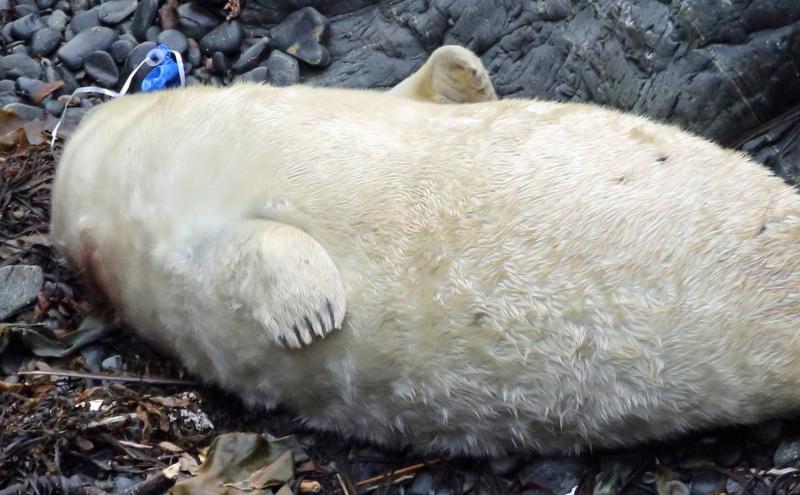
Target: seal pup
x=473, y=279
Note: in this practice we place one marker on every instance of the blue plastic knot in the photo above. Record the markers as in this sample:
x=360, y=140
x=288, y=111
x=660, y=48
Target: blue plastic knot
x=165, y=71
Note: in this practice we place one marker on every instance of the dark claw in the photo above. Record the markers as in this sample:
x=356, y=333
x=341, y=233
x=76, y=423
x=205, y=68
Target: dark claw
x=300, y=341
x=330, y=313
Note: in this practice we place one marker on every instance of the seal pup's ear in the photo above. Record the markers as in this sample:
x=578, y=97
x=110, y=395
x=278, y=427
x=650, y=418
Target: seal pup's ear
x=452, y=74
x=278, y=276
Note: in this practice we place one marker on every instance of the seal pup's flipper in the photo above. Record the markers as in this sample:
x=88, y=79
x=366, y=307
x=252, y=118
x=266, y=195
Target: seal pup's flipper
x=452, y=74
x=279, y=277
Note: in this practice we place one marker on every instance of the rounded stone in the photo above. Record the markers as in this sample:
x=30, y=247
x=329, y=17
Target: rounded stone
x=252, y=56
x=28, y=87
x=19, y=284
x=100, y=67
x=121, y=49
x=116, y=11
x=45, y=4
x=54, y=107
x=220, y=63
x=152, y=33
x=225, y=38
x=257, y=75
x=7, y=86
x=84, y=20
x=45, y=41
x=19, y=65
x=283, y=69
x=143, y=17
x=75, y=51
x=174, y=39
x=195, y=21
x=24, y=27
x=58, y=20
x=301, y=35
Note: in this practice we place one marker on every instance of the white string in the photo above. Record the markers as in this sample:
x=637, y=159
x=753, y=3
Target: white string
x=125, y=87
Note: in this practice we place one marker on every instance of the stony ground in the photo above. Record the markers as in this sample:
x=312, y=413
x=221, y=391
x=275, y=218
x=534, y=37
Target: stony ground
x=86, y=408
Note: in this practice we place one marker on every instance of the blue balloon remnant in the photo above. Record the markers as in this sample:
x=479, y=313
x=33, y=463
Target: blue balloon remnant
x=165, y=73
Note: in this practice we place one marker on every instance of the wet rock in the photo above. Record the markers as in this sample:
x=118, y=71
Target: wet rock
x=54, y=107
x=422, y=485
x=195, y=21
x=85, y=20
x=194, y=56
x=252, y=56
x=5, y=33
x=58, y=20
x=504, y=466
x=121, y=49
x=706, y=482
x=116, y=11
x=257, y=75
x=174, y=39
x=220, y=63
x=9, y=99
x=137, y=55
x=143, y=17
x=28, y=86
x=168, y=15
x=78, y=5
x=100, y=66
x=18, y=65
x=27, y=112
x=19, y=286
x=225, y=38
x=283, y=69
x=24, y=27
x=787, y=453
x=767, y=432
x=45, y=41
x=301, y=35
x=19, y=49
x=70, y=82
x=7, y=86
x=75, y=51
x=45, y=4
x=152, y=33
x=21, y=10
x=557, y=475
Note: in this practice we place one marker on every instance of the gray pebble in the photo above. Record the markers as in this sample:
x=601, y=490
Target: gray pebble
x=7, y=86
x=24, y=9
x=24, y=27
x=78, y=5
x=193, y=81
x=283, y=69
x=28, y=86
x=92, y=355
x=54, y=107
x=84, y=20
x=70, y=81
x=63, y=5
x=787, y=453
x=45, y=4
x=45, y=41
x=152, y=33
x=9, y=99
x=301, y=35
x=252, y=56
x=19, y=284
x=75, y=51
x=257, y=75
x=559, y=475
x=137, y=55
x=225, y=38
x=143, y=17
x=422, y=485
x=706, y=482
x=116, y=11
x=220, y=63
x=5, y=32
x=121, y=49
x=100, y=66
x=174, y=39
x=58, y=20
x=20, y=49
x=195, y=21
x=194, y=56
x=18, y=65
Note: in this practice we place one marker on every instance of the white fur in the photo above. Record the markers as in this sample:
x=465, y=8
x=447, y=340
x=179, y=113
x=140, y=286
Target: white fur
x=517, y=275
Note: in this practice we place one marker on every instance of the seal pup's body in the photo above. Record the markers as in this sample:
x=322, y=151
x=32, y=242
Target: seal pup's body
x=512, y=275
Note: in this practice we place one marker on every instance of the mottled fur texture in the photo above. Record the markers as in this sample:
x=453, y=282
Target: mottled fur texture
x=508, y=276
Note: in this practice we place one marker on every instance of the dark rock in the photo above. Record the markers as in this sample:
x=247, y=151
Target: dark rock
x=138, y=54
x=225, y=38
x=18, y=65
x=54, y=107
x=21, y=10
x=202, y=74
x=113, y=363
x=787, y=453
x=422, y=485
x=58, y=20
x=143, y=17
x=28, y=86
x=7, y=86
x=116, y=11
x=220, y=63
x=252, y=56
x=194, y=56
x=70, y=82
x=705, y=482
x=168, y=15
x=45, y=41
x=75, y=51
x=301, y=35
x=19, y=286
x=78, y=5
x=100, y=66
x=5, y=32
x=24, y=27
x=45, y=4
x=193, y=81
x=19, y=48
x=174, y=39
x=195, y=21
x=265, y=12
x=9, y=99
x=558, y=475
x=63, y=5
x=283, y=69
x=121, y=49
x=152, y=33
x=84, y=20
x=257, y=75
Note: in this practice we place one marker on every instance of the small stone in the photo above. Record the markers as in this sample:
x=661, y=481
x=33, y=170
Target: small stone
x=5, y=32
x=78, y=5
x=257, y=75
x=787, y=453
x=121, y=49
x=422, y=485
x=45, y=4
x=92, y=355
x=9, y=99
x=116, y=11
x=705, y=482
x=225, y=38
x=152, y=33
x=126, y=27
x=112, y=363
x=138, y=54
x=70, y=82
x=195, y=21
x=220, y=63
x=504, y=466
x=20, y=49
x=768, y=432
x=19, y=286
x=18, y=65
x=22, y=10
x=283, y=69
x=58, y=20
x=143, y=17
x=63, y=5
x=84, y=20
x=301, y=35
x=168, y=15
x=28, y=86
x=75, y=51
x=27, y=112
x=193, y=81
x=174, y=39
x=559, y=475
x=100, y=66
x=24, y=27
x=251, y=57
x=194, y=56
x=7, y=86
x=54, y=107
x=45, y=41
